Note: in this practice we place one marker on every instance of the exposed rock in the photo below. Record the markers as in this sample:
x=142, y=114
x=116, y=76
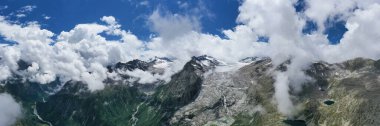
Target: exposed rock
x=245, y=96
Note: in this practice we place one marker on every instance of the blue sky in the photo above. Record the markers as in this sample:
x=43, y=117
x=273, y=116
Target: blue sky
x=214, y=15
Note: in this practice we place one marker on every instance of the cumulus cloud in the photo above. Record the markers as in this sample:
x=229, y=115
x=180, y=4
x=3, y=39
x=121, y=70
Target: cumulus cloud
x=5, y=72
x=361, y=39
x=24, y=34
x=83, y=32
x=94, y=77
x=169, y=25
x=80, y=54
x=10, y=110
x=320, y=11
x=109, y=20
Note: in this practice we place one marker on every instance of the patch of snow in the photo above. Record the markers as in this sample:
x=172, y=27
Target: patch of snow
x=160, y=62
x=205, y=63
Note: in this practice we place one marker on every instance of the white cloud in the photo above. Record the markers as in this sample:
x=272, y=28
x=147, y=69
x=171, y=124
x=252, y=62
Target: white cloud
x=80, y=54
x=169, y=25
x=43, y=78
x=143, y=76
x=83, y=32
x=282, y=94
x=27, y=8
x=23, y=34
x=9, y=57
x=23, y=11
x=270, y=18
x=109, y=20
x=320, y=11
x=361, y=39
x=20, y=15
x=5, y=72
x=47, y=17
x=94, y=78
x=10, y=110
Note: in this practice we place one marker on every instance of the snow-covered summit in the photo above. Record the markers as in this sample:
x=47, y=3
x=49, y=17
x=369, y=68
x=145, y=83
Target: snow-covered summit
x=160, y=62
x=207, y=61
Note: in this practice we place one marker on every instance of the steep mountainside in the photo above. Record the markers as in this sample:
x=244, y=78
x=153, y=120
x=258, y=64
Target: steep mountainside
x=345, y=93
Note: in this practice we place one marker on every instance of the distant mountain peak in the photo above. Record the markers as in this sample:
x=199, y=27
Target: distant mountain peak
x=206, y=60
x=132, y=65
x=206, y=63
x=160, y=62
x=157, y=59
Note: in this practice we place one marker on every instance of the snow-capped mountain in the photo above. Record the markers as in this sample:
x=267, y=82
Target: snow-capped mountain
x=160, y=62
x=205, y=60
x=241, y=97
x=153, y=63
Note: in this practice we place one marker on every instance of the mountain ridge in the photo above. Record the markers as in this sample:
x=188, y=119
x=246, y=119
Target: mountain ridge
x=192, y=97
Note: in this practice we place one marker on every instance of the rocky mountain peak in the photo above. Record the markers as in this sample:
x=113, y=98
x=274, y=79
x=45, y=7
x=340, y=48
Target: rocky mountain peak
x=132, y=65
x=205, y=62
x=156, y=62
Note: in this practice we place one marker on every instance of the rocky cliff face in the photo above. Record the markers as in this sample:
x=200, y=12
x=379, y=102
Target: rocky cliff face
x=345, y=93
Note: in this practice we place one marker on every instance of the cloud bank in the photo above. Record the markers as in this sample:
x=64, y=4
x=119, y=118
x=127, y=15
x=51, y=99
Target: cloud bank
x=83, y=53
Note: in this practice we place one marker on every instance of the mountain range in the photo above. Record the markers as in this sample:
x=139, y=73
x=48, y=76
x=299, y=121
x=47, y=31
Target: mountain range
x=200, y=93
